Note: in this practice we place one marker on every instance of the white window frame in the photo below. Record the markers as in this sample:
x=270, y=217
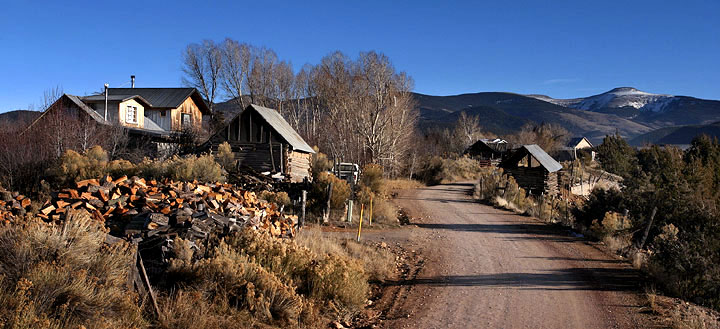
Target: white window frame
x=131, y=118
x=189, y=122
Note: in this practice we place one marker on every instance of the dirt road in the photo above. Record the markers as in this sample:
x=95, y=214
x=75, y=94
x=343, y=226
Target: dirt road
x=487, y=268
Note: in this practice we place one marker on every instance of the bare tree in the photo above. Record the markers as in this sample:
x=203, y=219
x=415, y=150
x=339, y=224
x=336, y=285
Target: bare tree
x=235, y=67
x=550, y=137
x=202, y=64
x=468, y=128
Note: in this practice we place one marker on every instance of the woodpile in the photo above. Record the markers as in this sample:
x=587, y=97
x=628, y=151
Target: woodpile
x=12, y=205
x=137, y=209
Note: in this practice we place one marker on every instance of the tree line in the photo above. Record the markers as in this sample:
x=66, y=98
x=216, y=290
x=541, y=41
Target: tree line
x=356, y=109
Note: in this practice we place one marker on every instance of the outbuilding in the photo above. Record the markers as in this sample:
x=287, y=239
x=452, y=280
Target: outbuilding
x=533, y=169
x=261, y=139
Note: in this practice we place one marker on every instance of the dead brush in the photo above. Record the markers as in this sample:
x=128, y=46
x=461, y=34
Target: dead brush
x=65, y=276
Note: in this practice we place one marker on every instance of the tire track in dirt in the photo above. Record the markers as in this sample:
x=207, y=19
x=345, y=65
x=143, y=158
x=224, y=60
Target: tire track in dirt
x=487, y=268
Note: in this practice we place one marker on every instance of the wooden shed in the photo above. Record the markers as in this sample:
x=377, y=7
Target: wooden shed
x=487, y=151
x=533, y=169
x=262, y=140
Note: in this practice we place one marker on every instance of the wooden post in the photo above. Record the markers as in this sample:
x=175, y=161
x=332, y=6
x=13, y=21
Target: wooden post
x=362, y=207
x=282, y=162
x=371, y=213
x=647, y=229
x=304, y=200
x=349, y=213
x=146, y=281
x=327, y=208
x=272, y=158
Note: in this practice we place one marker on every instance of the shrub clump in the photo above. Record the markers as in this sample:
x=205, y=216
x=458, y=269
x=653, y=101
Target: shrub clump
x=225, y=156
x=340, y=190
x=439, y=171
x=274, y=280
x=94, y=163
x=61, y=276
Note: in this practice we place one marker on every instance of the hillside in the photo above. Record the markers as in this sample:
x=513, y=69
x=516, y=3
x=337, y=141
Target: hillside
x=19, y=117
x=658, y=110
x=677, y=135
x=508, y=112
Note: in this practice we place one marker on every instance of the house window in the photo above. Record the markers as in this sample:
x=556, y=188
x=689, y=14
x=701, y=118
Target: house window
x=131, y=115
x=162, y=113
x=186, y=120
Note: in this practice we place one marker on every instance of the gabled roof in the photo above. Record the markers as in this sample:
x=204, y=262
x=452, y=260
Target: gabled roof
x=116, y=98
x=276, y=120
x=576, y=140
x=545, y=160
x=163, y=97
x=74, y=100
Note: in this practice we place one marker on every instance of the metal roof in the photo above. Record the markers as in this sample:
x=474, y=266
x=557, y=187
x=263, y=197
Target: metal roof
x=543, y=158
x=151, y=125
x=115, y=98
x=161, y=97
x=75, y=100
x=282, y=127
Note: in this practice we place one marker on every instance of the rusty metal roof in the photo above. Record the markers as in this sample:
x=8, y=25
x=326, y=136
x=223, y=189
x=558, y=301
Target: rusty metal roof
x=275, y=120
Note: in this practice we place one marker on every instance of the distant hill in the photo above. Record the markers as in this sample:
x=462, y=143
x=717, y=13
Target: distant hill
x=677, y=135
x=647, y=108
x=504, y=112
x=19, y=117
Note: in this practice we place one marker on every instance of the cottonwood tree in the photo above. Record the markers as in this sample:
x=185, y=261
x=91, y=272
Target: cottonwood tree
x=235, y=69
x=368, y=106
x=468, y=128
x=202, y=65
x=550, y=137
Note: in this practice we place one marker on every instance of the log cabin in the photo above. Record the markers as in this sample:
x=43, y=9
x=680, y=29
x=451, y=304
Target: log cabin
x=533, y=170
x=261, y=139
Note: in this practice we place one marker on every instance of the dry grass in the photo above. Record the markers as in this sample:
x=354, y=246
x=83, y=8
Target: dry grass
x=59, y=276
x=393, y=185
x=378, y=263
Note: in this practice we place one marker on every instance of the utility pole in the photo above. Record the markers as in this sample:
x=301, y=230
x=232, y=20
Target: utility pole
x=106, y=100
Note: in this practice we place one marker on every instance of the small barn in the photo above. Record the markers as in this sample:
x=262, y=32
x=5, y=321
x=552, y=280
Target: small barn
x=533, y=169
x=262, y=140
x=487, y=150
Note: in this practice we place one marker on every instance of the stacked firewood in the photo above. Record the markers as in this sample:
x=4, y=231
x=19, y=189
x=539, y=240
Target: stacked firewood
x=12, y=205
x=139, y=208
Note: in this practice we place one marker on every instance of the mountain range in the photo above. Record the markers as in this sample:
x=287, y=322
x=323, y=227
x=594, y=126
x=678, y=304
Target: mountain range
x=637, y=115
x=627, y=110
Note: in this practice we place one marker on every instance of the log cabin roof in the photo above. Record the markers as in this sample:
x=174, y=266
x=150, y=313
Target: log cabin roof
x=278, y=123
x=544, y=159
x=282, y=127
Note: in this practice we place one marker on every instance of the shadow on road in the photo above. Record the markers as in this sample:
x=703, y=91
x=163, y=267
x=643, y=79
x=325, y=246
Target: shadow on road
x=599, y=279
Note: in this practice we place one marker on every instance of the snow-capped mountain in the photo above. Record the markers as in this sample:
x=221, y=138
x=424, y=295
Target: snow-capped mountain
x=627, y=98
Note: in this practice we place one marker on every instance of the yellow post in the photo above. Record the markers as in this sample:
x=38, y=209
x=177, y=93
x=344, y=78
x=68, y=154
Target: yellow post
x=370, y=210
x=362, y=207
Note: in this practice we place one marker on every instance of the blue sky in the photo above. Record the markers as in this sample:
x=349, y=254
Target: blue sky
x=559, y=48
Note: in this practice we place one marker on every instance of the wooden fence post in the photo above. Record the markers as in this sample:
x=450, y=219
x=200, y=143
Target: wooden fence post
x=349, y=213
x=647, y=229
x=327, y=208
x=304, y=200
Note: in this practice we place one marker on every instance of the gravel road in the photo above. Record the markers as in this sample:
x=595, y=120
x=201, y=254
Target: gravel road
x=488, y=268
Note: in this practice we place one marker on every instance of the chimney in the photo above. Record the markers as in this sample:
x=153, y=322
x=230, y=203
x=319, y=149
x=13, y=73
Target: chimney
x=106, y=100
x=132, y=81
